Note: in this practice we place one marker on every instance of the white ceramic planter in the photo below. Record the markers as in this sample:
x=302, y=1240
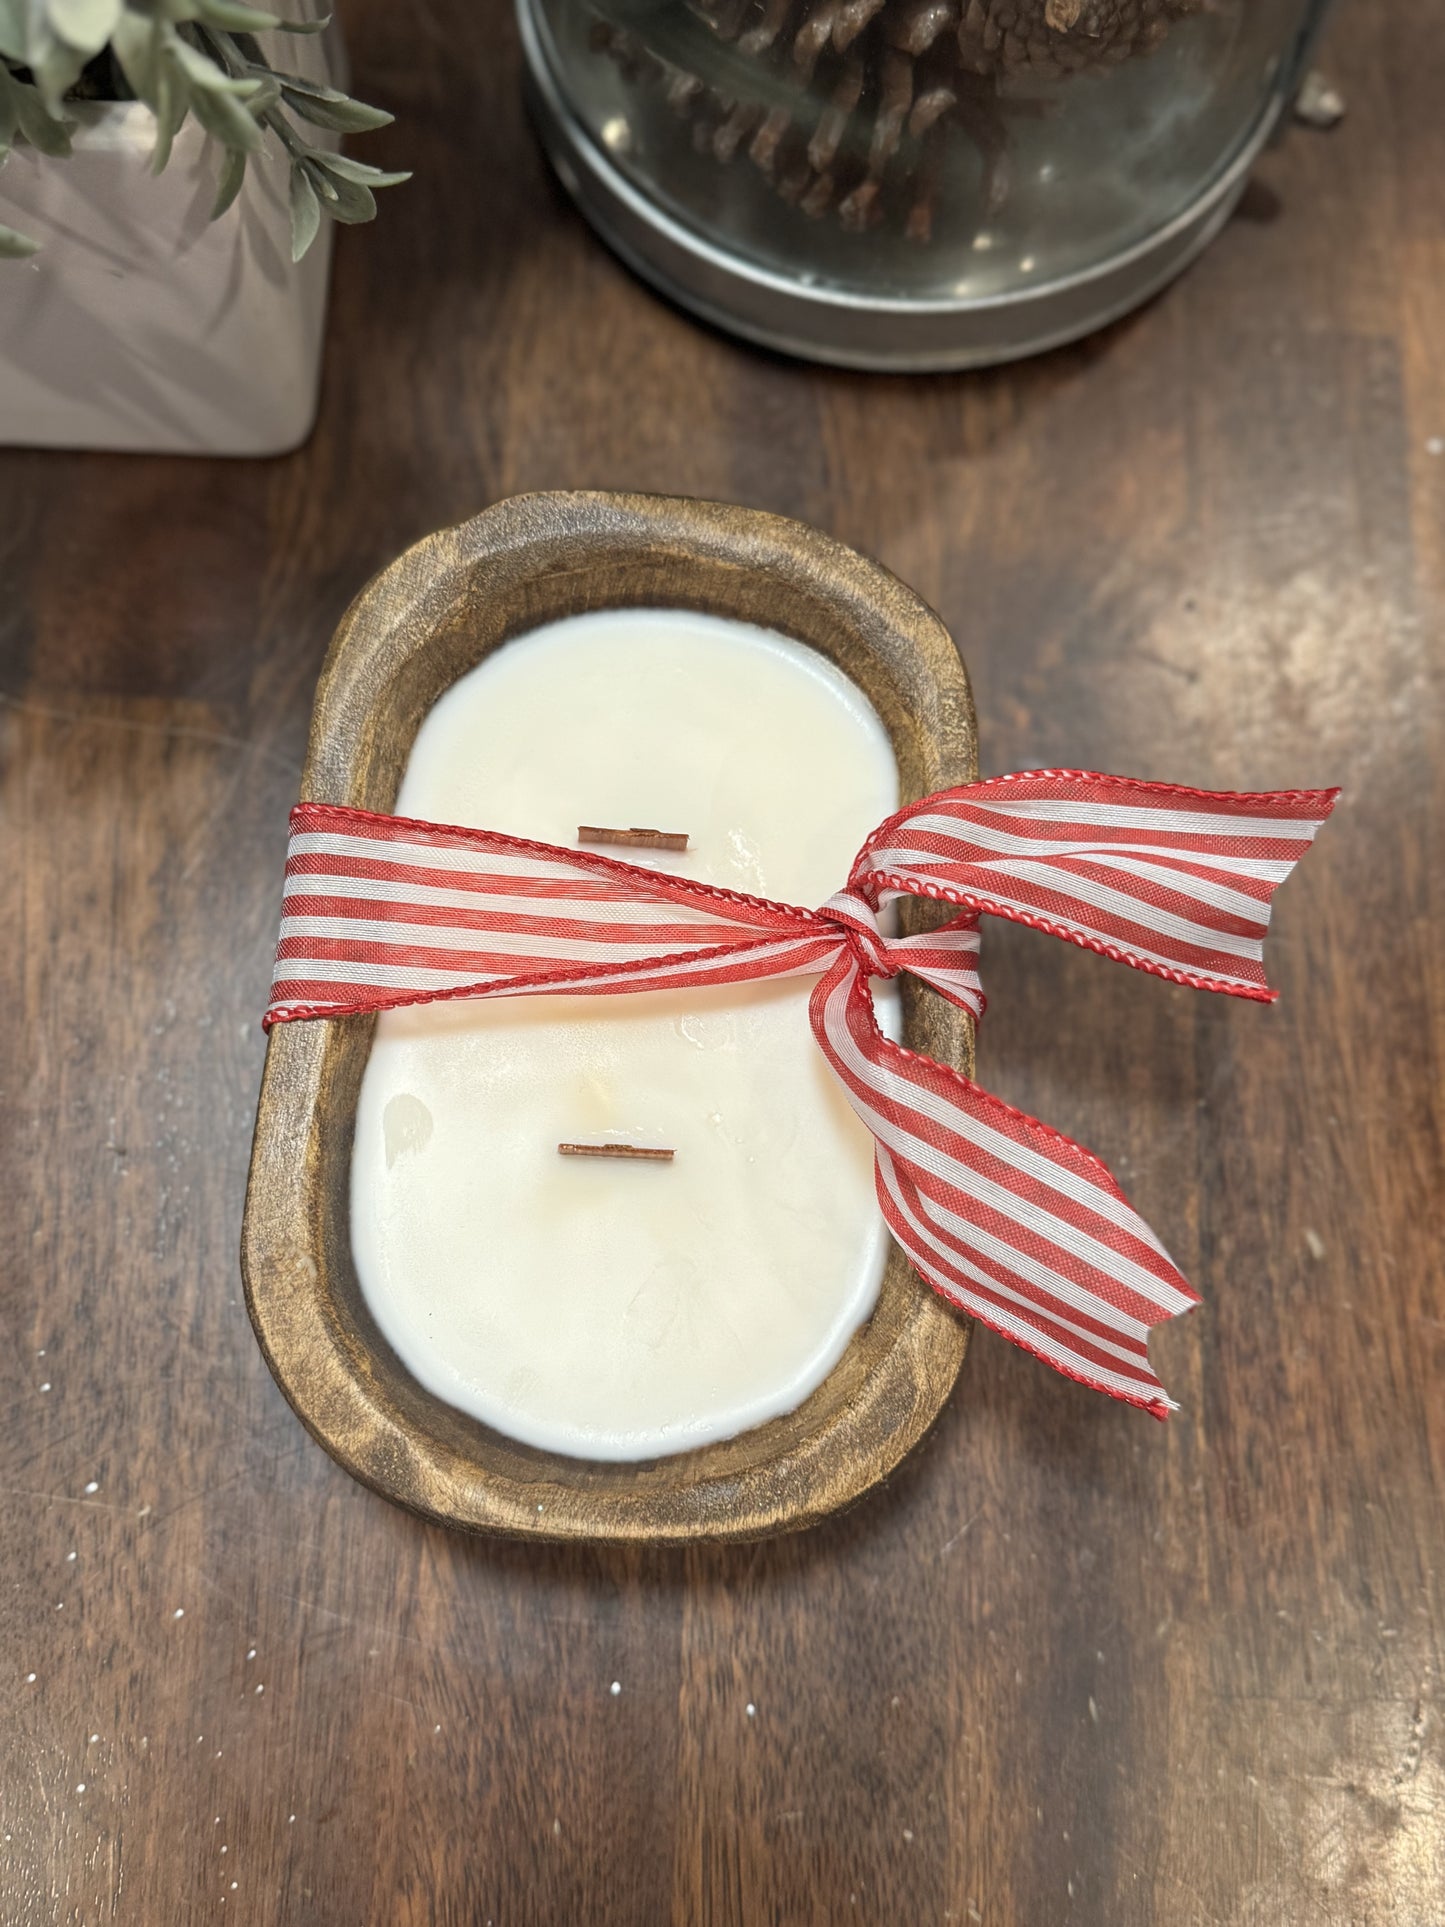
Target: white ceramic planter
x=141, y=325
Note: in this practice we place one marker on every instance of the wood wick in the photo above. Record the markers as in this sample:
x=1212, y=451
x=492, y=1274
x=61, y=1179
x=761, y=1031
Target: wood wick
x=637, y=839
x=655, y=1156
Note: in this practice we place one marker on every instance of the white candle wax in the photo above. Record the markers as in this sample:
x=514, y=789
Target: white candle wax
x=610, y=1309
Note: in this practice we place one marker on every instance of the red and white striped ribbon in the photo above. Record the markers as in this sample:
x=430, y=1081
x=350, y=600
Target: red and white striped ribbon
x=1007, y=1219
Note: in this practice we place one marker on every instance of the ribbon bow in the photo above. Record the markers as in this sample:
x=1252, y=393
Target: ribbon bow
x=1006, y=1218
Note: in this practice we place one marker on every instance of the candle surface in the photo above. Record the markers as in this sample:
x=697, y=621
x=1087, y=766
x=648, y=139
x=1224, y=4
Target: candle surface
x=599, y=1307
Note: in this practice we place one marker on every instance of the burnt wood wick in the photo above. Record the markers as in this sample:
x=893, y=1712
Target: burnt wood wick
x=637, y=839
x=651, y=1154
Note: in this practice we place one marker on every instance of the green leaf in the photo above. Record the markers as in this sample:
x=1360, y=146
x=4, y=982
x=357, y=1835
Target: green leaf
x=342, y=168
x=48, y=132
x=336, y=111
x=13, y=37
x=305, y=211
x=136, y=45
x=16, y=247
x=343, y=200
x=228, y=185
x=297, y=82
x=231, y=17
x=226, y=120
x=304, y=26
x=56, y=68
x=171, y=101
x=265, y=97
x=205, y=74
x=86, y=24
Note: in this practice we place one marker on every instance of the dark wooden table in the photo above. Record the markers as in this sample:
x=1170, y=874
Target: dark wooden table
x=1072, y=1666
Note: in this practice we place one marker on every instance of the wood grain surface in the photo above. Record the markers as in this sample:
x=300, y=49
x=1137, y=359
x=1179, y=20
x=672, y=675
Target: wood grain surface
x=1071, y=1666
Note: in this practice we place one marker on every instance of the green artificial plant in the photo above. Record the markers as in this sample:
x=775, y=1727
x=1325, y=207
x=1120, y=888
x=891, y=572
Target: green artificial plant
x=183, y=57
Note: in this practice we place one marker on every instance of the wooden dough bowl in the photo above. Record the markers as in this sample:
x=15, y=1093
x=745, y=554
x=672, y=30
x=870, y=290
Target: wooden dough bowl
x=429, y=618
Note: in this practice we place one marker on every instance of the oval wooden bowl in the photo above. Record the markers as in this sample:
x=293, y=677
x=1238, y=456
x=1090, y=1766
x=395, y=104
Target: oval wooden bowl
x=433, y=615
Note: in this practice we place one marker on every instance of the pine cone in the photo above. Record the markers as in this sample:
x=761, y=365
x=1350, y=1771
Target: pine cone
x=870, y=89
x=1054, y=37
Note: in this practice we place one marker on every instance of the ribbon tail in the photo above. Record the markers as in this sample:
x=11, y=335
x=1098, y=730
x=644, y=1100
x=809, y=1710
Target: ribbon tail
x=1175, y=882
x=1008, y=1220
